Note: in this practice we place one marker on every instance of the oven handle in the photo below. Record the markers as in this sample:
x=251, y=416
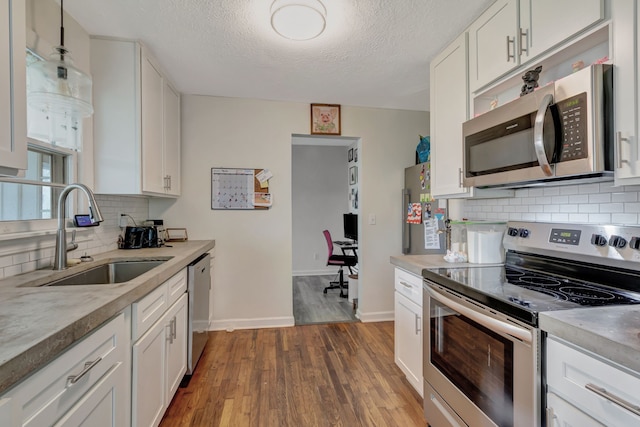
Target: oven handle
x=538, y=135
x=489, y=322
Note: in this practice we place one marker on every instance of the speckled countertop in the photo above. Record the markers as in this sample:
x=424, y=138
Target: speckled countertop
x=611, y=332
x=39, y=323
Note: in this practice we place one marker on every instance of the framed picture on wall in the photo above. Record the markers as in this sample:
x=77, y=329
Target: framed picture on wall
x=350, y=156
x=325, y=119
x=353, y=175
x=355, y=155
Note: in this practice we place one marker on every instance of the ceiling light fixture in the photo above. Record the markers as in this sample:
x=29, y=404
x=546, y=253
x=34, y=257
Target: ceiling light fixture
x=298, y=19
x=56, y=86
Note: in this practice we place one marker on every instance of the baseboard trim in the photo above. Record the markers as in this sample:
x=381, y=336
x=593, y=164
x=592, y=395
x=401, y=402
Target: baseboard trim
x=380, y=316
x=315, y=272
x=260, y=323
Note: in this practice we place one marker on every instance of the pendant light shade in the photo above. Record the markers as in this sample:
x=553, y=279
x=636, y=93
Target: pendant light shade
x=298, y=19
x=56, y=87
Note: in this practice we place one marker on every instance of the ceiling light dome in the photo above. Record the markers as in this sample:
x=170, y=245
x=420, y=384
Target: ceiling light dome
x=298, y=19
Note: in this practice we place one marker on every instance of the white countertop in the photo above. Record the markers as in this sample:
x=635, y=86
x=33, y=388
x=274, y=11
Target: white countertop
x=416, y=263
x=39, y=323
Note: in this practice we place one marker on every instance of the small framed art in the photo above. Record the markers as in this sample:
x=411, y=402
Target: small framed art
x=325, y=119
x=353, y=175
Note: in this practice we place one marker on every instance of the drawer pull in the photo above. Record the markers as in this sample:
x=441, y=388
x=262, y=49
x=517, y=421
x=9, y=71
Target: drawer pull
x=613, y=398
x=406, y=285
x=72, y=379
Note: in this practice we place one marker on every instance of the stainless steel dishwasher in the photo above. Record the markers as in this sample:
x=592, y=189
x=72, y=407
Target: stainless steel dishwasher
x=199, y=286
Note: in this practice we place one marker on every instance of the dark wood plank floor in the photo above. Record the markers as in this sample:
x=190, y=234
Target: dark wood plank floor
x=338, y=374
x=311, y=305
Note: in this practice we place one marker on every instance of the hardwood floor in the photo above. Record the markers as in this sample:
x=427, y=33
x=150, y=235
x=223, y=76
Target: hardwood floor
x=311, y=305
x=338, y=374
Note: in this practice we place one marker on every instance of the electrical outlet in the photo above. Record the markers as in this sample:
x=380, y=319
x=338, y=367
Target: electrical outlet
x=372, y=219
x=316, y=256
x=123, y=220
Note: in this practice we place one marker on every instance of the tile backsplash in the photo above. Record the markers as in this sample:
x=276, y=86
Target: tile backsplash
x=31, y=253
x=596, y=203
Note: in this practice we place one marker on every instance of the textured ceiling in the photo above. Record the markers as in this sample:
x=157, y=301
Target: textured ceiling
x=374, y=53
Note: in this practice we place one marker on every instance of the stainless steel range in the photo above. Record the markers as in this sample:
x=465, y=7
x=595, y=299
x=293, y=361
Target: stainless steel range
x=482, y=351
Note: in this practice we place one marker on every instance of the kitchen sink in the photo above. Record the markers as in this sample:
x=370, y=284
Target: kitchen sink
x=113, y=272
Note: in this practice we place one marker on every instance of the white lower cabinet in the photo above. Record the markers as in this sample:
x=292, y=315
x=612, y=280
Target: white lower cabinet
x=408, y=327
x=159, y=363
x=584, y=389
x=88, y=385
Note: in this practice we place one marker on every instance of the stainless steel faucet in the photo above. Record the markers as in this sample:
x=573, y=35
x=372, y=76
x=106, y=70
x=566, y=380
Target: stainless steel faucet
x=60, y=259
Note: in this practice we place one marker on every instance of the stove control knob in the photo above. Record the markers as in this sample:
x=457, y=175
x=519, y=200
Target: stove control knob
x=634, y=243
x=598, y=240
x=513, y=232
x=617, y=241
x=523, y=232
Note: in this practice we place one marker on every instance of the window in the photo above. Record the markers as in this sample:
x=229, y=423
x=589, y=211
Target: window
x=35, y=196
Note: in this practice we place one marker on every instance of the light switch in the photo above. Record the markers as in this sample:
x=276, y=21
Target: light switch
x=372, y=219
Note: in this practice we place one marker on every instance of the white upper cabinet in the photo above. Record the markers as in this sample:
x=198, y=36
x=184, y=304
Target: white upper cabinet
x=626, y=48
x=512, y=32
x=493, y=43
x=546, y=23
x=13, y=87
x=136, y=122
x=448, y=112
x=171, y=150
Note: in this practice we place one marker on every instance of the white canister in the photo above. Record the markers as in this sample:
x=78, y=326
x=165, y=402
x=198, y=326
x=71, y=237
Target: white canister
x=484, y=243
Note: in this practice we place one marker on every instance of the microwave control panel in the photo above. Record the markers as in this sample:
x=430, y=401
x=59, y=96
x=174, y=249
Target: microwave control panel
x=573, y=119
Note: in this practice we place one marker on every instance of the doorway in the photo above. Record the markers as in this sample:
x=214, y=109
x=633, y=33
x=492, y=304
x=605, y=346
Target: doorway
x=324, y=188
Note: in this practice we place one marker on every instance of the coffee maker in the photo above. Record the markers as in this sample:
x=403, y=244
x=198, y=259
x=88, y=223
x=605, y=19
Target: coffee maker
x=140, y=237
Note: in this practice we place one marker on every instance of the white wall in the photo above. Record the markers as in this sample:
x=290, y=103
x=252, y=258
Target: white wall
x=253, y=272
x=319, y=199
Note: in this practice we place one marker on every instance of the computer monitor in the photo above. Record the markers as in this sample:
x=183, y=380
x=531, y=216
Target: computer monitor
x=350, y=226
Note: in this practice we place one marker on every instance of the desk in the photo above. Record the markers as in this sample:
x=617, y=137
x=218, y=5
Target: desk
x=346, y=246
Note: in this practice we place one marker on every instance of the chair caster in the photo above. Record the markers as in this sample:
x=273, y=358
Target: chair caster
x=324, y=291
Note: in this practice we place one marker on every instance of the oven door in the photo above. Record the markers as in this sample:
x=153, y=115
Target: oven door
x=480, y=366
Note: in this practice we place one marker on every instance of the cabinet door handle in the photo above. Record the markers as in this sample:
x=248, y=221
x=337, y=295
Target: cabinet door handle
x=460, y=177
x=169, y=180
x=619, y=140
x=524, y=43
x=511, y=41
x=174, y=327
x=602, y=392
x=418, y=322
x=405, y=284
x=170, y=327
x=72, y=379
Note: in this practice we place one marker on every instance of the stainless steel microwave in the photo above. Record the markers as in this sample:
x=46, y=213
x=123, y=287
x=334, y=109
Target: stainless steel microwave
x=559, y=133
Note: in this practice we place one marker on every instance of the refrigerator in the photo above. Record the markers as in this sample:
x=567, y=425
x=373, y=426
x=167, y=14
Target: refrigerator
x=423, y=220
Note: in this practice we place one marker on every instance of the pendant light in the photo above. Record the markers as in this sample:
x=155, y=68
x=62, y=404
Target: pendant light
x=56, y=87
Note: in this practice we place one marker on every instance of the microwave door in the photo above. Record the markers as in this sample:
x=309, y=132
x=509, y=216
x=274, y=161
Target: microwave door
x=540, y=135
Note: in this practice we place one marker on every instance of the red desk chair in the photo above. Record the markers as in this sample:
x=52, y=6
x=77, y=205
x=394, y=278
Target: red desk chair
x=341, y=261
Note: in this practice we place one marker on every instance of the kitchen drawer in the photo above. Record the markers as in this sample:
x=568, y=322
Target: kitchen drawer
x=48, y=394
x=148, y=310
x=409, y=285
x=437, y=411
x=151, y=308
x=176, y=286
x=570, y=371
x=561, y=413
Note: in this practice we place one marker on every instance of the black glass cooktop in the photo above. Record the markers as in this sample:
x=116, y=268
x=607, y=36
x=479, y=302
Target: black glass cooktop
x=523, y=293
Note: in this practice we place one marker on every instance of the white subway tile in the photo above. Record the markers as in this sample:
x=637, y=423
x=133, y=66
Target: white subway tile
x=611, y=207
x=624, y=197
x=551, y=191
x=559, y=200
x=529, y=217
x=607, y=187
x=600, y=198
x=579, y=198
x=569, y=190
x=545, y=217
x=588, y=208
x=20, y=258
x=589, y=188
x=632, y=207
x=560, y=217
x=633, y=188
x=579, y=218
x=522, y=192
x=569, y=208
x=600, y=218
x=12, y=270
x=535, y=192
x=536, y=208
x=552, y=208
x=624, y=218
